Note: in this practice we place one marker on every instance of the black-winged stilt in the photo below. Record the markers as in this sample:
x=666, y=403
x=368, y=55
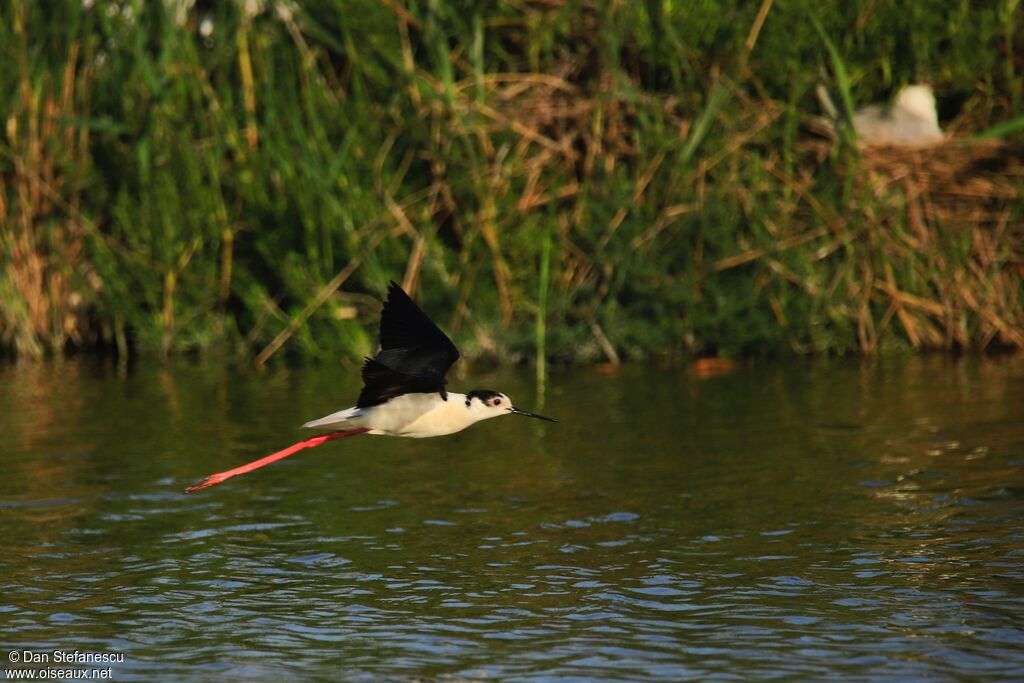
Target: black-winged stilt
x=403, y=390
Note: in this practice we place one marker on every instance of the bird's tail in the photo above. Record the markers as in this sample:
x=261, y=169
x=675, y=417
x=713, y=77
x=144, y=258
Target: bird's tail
x=273, y=457
x=335, y=421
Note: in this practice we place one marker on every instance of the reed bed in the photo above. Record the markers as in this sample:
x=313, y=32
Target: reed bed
x=582, y=181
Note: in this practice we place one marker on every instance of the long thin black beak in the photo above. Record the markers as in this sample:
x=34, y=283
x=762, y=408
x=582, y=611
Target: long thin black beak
x=527, y=413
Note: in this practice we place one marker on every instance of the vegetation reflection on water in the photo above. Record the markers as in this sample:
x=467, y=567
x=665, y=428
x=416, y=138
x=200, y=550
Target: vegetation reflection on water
x=797, y=519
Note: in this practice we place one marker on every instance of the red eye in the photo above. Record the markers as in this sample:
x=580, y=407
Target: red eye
x=496, y=402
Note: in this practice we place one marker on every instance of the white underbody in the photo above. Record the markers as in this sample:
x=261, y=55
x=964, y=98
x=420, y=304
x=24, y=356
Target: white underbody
x=410, y=415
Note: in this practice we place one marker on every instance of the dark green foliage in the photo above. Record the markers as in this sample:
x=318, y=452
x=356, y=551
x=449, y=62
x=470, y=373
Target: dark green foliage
x=205, y=177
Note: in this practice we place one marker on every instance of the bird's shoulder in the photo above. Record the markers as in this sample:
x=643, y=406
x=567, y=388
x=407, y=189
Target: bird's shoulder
x=382, y=383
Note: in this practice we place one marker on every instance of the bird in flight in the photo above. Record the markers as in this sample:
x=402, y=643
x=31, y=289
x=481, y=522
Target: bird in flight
x=403, y=390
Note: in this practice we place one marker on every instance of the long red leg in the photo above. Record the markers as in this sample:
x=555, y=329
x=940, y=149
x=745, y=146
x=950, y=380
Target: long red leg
x=273, y=457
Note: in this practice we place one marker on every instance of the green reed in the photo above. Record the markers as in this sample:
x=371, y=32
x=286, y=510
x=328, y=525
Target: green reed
x=635, y=178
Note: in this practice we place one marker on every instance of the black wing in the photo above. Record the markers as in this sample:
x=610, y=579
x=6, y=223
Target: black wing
x=410, y=342
x=414, y=354
x=381, y=383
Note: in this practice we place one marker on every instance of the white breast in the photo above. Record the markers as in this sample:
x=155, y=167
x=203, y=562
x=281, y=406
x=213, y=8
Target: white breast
x=419, y=415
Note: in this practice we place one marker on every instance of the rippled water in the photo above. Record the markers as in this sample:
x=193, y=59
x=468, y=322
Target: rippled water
x=796, y=520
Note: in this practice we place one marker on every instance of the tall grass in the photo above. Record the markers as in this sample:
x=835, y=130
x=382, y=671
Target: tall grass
x=179, y=178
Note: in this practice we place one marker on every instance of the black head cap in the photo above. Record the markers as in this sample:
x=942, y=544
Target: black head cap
x=484, y=395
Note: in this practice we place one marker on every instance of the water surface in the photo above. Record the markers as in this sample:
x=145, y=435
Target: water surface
x=795, y=520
